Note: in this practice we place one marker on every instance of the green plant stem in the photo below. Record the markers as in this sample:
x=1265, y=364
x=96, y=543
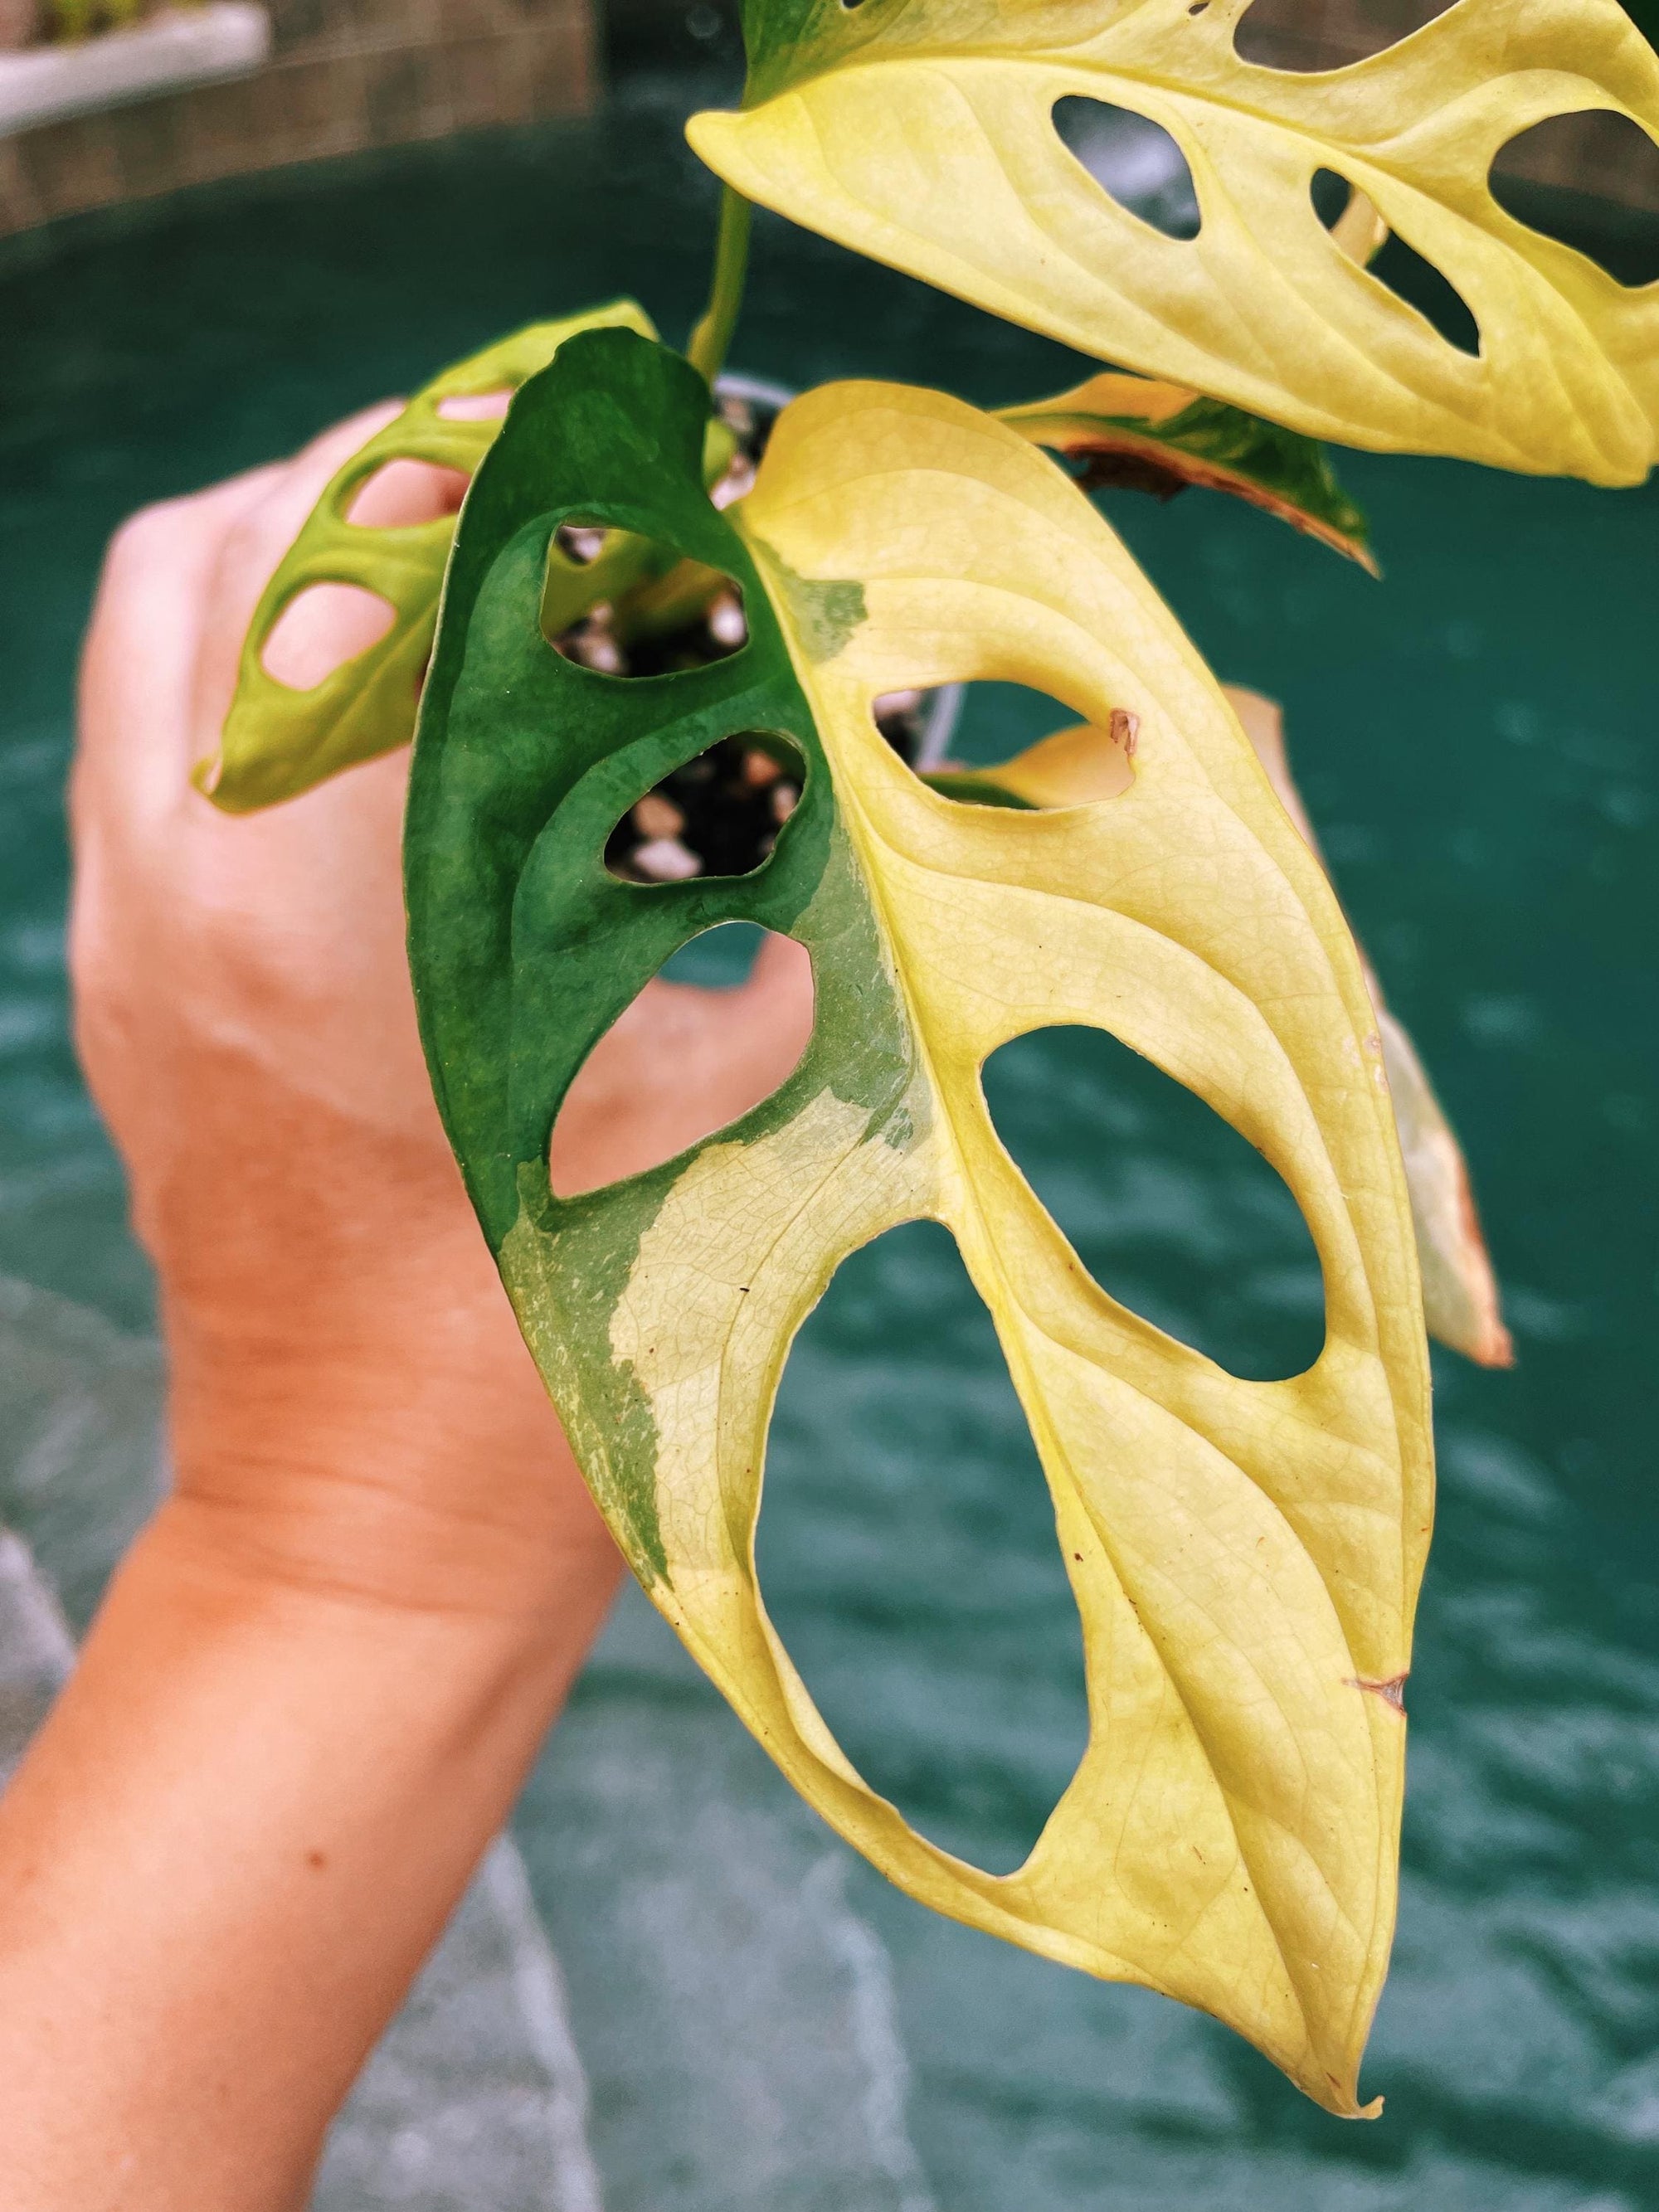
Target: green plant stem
x=713, y=334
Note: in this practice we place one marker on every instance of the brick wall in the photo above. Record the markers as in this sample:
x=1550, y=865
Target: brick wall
x=344, y=74
x=1586, y=153
x=348, y=74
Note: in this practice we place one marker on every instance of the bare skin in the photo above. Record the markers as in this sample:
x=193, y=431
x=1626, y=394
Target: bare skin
x=320, y=1675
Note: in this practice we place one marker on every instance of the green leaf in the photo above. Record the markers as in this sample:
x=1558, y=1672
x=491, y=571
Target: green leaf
x=1162, y=437
x=277, y=742
x=922, y=132
x=1244, y=1556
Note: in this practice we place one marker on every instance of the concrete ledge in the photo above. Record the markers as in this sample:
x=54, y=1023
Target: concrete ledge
x=46, y=84
x=343, y=77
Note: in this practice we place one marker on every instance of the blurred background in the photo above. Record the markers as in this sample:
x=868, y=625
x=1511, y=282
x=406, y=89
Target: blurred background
x=672, y=1989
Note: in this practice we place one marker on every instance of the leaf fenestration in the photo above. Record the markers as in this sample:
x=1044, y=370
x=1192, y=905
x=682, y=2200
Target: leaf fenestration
x=1460, y=1302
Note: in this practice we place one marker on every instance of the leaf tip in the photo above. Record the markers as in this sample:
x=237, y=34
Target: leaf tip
x=1494, y=1347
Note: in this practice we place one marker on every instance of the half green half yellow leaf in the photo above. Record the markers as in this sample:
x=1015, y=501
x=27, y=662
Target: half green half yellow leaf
x=1244, y=1556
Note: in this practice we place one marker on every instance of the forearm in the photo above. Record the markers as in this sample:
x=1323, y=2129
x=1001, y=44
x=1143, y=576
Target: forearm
x=240, y=1831
x=319, y=1680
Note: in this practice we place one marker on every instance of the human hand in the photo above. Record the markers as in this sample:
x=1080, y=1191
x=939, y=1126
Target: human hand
x=245, y=1022
x=316, y=1683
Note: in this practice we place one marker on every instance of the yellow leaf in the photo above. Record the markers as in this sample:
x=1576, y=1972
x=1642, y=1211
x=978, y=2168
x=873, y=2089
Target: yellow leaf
x=922, y=132
x=1245, y=1555
x=1360, y=231
x=1074, y=767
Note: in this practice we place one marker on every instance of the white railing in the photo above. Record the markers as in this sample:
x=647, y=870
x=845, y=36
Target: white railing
x=179, y=46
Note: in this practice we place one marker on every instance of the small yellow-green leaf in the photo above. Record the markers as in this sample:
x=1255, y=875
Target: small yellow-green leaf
x=922, y=132
x=1162, y=437
x=277, y=741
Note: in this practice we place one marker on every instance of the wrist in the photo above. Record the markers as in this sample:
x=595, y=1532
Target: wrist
x=225, y=1855
x=419, y=1467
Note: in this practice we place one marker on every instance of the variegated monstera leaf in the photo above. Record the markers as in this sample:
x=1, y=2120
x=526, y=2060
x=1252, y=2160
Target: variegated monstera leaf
x=923, y=133
x=278, y=741
x=1245, y=1556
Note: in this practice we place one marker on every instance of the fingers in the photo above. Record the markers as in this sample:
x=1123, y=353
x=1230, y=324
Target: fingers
x=781, y=972
x=405, y=492
x=151, y=870
x=137, y=665
x=179, y=582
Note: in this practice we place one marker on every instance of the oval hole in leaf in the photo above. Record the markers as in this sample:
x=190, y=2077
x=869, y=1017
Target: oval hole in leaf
x=718, y=959
x=321, y=628
x=1551, y=197
x=475, y=406
x=1052, y=756
x=720, y=815
x=684, y=1058
x=1331, y=194
x=1175, y=1214
x=1297, y=36
x=407, y=491
x=1135, y=161
x=657, y=612
x=907, y=1554
x=1402, y=270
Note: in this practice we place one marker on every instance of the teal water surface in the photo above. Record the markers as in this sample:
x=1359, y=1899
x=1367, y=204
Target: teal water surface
x=1475, y=740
